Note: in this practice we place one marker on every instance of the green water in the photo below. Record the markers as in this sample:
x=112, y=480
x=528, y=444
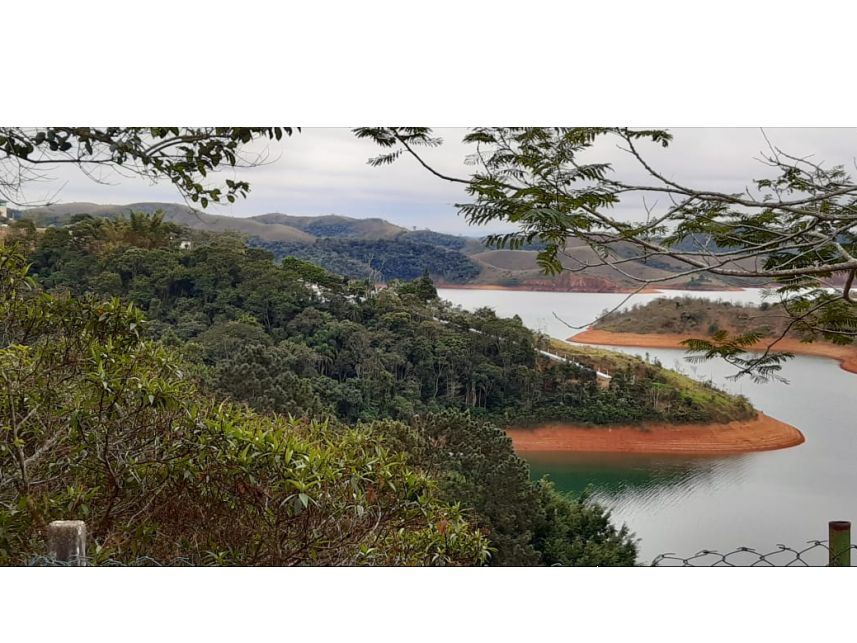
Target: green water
x=616, y=474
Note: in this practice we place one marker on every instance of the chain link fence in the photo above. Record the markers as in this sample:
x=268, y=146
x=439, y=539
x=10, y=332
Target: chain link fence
x=817, y=553
x=66, y=546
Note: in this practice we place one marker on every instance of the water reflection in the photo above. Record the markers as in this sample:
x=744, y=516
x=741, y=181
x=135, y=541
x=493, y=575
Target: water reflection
x=636, y=480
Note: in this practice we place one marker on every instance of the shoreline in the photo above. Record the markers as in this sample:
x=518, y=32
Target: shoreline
x=609, y=291
x=845, y=355
x=763, y=433
x=537, y=288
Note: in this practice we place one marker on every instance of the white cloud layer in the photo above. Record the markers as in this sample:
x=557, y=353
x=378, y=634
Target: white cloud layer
x=324, y=171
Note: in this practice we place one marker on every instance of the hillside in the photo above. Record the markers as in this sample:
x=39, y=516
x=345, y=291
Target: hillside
x=520, y=269
x=421, y=352
x=360, y=248
x=469, y=261
x=234, y=383
x=667, y=323
x=695, y=316
x=381, y=260
x=334, y=226
x=249, y=362
x=676, y=386
x=175, y=213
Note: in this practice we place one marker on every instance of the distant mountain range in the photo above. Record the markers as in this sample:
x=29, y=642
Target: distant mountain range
x=381, y=250
x=269, y=227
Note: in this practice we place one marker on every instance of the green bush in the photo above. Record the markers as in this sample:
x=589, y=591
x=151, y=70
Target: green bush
x=98, y=424
x=527, y=523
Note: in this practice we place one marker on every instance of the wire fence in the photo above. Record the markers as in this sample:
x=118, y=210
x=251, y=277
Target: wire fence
x=66, y=546
x=817, y=553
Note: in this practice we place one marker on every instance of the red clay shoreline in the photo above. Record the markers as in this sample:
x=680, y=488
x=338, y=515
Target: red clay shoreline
x=845, y=355
x=762, y=433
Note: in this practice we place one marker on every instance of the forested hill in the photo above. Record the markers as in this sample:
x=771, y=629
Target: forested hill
x=299, y=410
x=698, y=317
x=380, y=260
x=377, y=249
x=361, y=248
x=269, y=227
x=335, y=227
x=259, y=334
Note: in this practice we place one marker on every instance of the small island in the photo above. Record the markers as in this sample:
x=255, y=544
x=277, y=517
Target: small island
x=667, y=323
x=678, y=415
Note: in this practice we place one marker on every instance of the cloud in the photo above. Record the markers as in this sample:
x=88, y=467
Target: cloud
x=324, y=171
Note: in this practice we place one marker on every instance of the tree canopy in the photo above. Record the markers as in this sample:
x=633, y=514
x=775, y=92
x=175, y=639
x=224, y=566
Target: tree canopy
x=98, y=423
x=293, y=338
x=178, y=363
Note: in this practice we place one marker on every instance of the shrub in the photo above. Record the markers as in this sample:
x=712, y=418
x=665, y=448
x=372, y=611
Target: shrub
x=98, y=424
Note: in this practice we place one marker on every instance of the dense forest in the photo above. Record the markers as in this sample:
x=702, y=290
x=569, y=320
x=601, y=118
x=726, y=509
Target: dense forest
x=323, y=375
x=381, y=251
x=438, y=239
x=293, y=338
x=382, y=260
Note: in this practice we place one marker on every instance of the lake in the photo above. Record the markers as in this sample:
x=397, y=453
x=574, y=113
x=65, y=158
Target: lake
x=681, y=504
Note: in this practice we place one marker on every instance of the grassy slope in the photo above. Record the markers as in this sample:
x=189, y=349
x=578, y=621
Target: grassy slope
x=498, y=267
x=522, y=265
x=175, y=213
x=335, y=226
x=270, y=227
x=721, y=406
x=693, y=316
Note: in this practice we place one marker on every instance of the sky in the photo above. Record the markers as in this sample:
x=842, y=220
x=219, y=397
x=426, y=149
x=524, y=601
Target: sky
x=325, y=171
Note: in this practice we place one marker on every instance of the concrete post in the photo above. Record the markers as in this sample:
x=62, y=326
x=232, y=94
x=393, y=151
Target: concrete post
x=840, y=543
x=67, y=542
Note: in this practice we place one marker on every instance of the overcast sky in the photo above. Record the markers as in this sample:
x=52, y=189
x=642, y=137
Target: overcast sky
x=324, y=171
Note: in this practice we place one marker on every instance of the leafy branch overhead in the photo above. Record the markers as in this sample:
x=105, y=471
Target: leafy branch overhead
x=183, y=155
x=794, y=227
x=734, y=350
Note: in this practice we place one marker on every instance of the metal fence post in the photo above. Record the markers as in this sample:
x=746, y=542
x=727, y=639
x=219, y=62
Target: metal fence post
x=67, y=542
x=840, y=543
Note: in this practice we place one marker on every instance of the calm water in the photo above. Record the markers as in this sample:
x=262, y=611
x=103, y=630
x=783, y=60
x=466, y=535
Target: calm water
x=686, y=504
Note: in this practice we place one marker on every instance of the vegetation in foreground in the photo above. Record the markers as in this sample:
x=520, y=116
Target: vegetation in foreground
x=103, y=424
